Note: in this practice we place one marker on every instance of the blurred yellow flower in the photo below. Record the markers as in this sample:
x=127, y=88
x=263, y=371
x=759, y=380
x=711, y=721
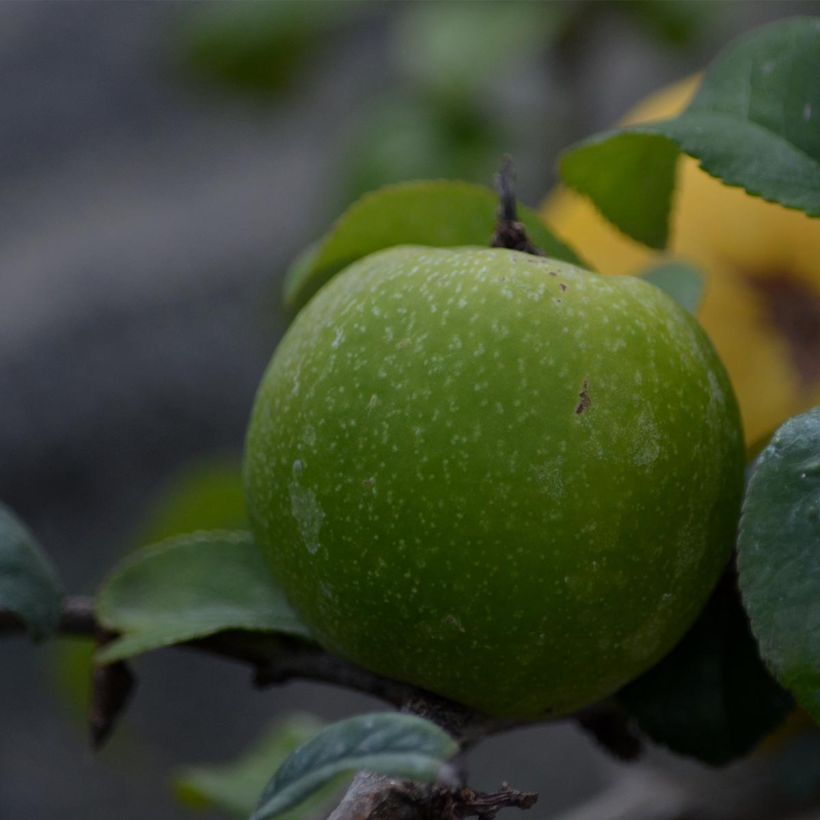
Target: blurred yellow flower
x=762, y=267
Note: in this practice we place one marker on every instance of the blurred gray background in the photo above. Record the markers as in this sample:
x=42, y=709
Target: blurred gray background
x=157, y=174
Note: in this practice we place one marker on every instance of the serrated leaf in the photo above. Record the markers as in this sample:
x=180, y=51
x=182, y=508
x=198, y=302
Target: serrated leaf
x=754, y=124
x=680, y=280
x=778, y=557
x=234, y=787
x=388, y=743
x=711, y=698
x=434, y=213
x=28, y=582
x=189, y=587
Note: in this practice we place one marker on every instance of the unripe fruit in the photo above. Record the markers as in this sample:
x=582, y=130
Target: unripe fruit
x=495, y=476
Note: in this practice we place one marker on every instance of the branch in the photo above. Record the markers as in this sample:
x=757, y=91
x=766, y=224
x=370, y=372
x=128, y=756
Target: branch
x=376, y=797
x=276, y=659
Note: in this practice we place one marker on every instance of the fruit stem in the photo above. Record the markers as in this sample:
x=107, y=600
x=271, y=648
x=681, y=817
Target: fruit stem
x=509, y=232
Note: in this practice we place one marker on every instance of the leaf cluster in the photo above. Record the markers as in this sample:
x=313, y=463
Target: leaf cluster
x=752, y=654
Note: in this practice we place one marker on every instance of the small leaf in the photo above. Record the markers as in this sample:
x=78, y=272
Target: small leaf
x=711, y=698
x=190, y=587
x=28, y=582
x=206, y=495
x=438, y=214
x=460, y=48
x=629, y=177
x=410, y=137
x=234, y=787
x=388, y=743
x=681, y=281
x=754, y=124
x=778, y=557
x=259, y=49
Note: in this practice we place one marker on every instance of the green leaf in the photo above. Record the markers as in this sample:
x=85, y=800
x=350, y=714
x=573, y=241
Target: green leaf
x=234, y=787
x=680, y=280
x=389, y=743
x=190, y=587
x=711, y=698
x=779, y=557
x=460, y=48
x=71, y=665
x=28, y=582
x=409, y=137
x=629, y=177
x=675, y=22
x=259, y=48
x=206, y=495
x=754, y=124
x=434, y=213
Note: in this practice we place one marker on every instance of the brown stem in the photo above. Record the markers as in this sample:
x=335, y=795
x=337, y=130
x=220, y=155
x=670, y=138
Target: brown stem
x=277, y=659
x=509, y=232
x=377, y=797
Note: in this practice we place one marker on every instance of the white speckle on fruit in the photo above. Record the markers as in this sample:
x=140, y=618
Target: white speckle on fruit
x=306, y=510
x=338, y=338
x=647, y=440
x=807, y=111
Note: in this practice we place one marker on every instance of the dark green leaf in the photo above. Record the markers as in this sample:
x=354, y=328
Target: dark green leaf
x=629, y=177
x=189, y=587
x=438, y=214
x=28, y=582
x=677, y=22
x=711, y=698
x=234, y=787
x=779, y=557
x=258, y=48
x=389, y=743
x=681, y=281
x=755, y=124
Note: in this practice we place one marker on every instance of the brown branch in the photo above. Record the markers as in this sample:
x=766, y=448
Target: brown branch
x=377, y=797
x=276, y=659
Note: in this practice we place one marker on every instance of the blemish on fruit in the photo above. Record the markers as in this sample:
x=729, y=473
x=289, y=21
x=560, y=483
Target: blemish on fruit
x=305, y=508
x=451, y=620
x=584, y=400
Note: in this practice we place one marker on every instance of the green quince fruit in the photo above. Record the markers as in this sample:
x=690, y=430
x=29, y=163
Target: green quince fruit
x=496, y=476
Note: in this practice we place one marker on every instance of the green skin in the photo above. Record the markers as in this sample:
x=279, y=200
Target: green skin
x=496, y=476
